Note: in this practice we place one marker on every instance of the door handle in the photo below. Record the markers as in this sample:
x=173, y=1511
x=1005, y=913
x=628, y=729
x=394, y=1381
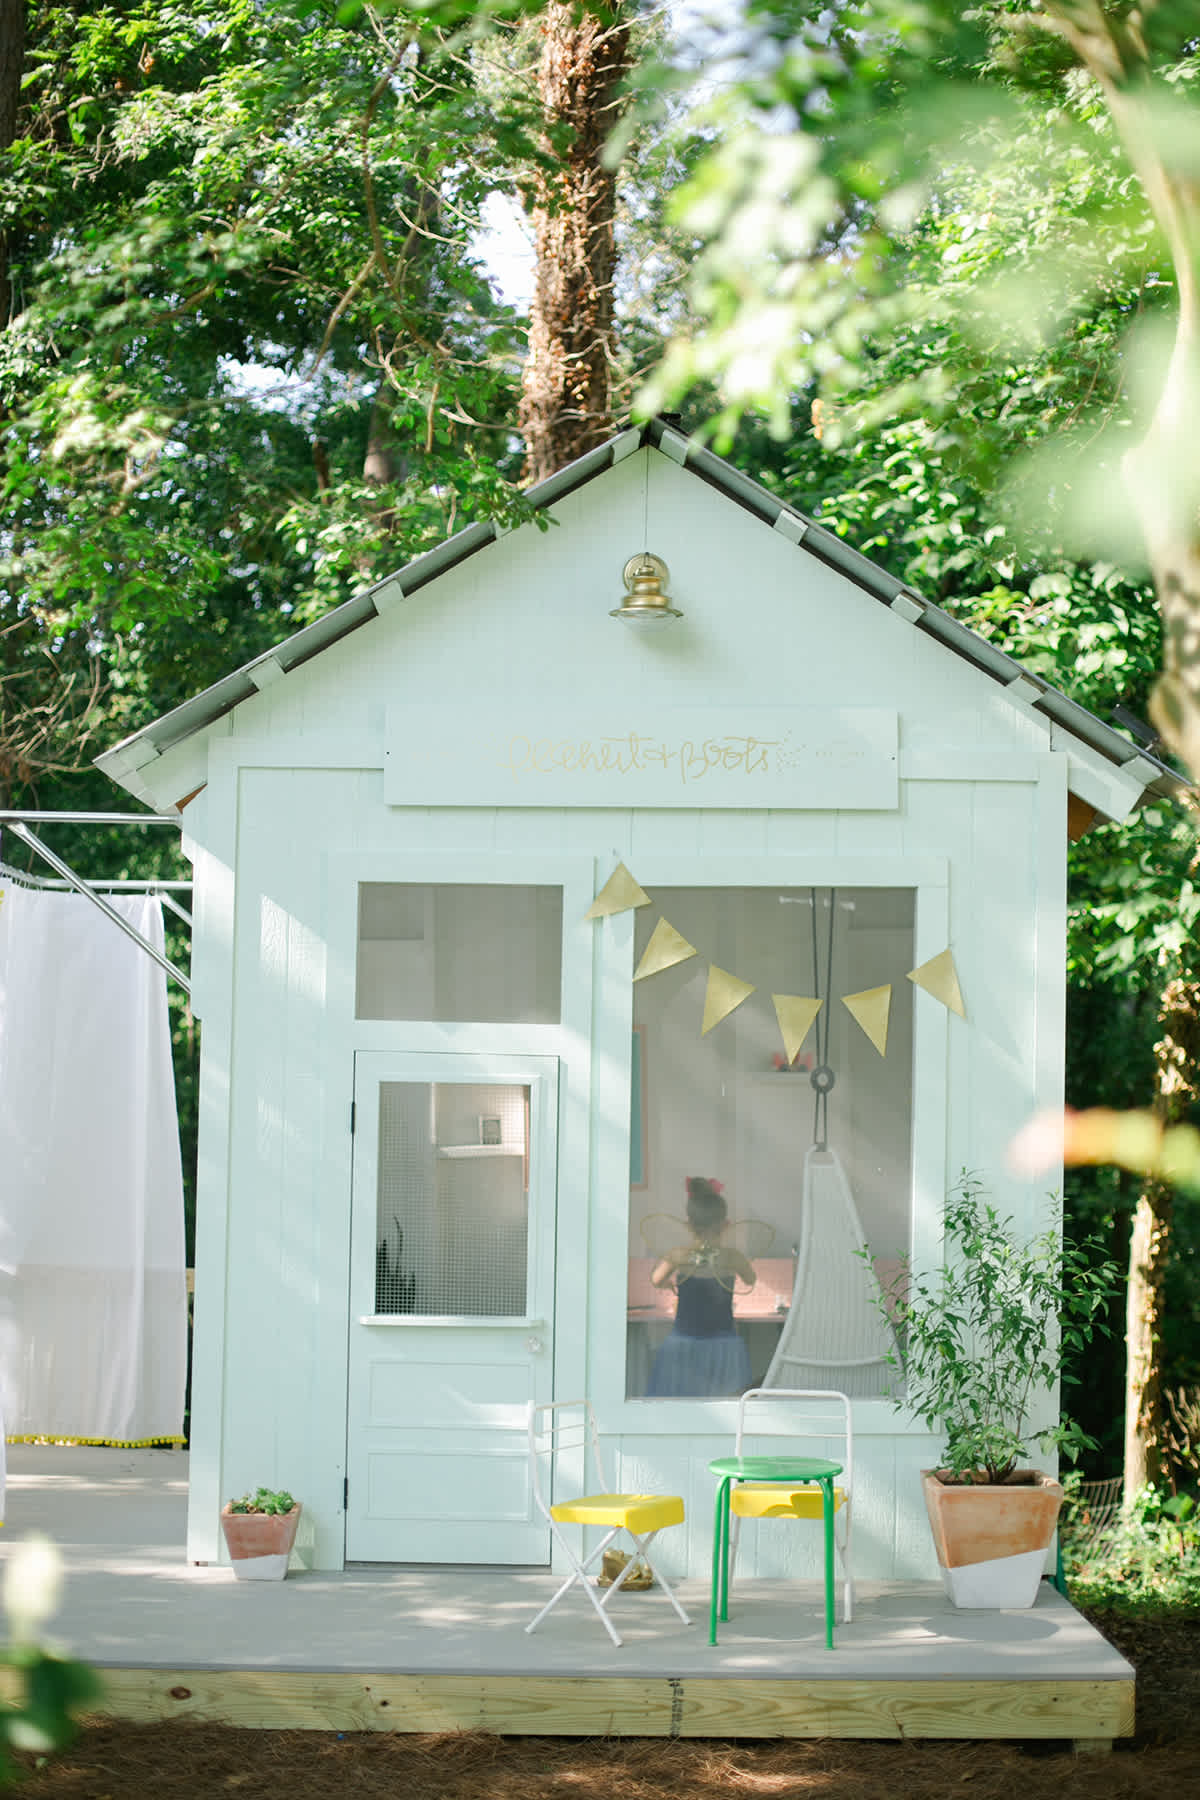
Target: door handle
x=534, y=1345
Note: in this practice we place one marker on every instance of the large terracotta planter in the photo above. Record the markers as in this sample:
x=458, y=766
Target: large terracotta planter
x=991, y=1542
x=260, y=1544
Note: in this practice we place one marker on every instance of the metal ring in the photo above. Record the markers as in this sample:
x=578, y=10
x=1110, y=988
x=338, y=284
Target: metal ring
x=823, y=1078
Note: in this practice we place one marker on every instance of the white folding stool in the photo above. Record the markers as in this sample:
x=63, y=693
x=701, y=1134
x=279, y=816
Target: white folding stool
x=565, y=1426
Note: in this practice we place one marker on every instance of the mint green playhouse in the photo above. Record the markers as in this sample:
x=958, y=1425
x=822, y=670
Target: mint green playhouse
x=449, y=1102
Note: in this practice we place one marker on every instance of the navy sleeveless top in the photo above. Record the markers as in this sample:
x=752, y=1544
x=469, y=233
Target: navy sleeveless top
x=705, y=1307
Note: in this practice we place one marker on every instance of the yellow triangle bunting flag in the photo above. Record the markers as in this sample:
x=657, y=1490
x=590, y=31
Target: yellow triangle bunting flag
x=795, y=1014
x=723, y=995
x=870, y=1009
x=619, y=894
x=665, y=949
x=939, y=977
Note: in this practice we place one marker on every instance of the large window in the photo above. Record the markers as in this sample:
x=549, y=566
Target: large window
x=491, y=954
x=720, y=1106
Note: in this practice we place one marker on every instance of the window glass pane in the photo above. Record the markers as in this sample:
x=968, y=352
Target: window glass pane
x=721, y=1106
x=459, y=953
x=452, y=1200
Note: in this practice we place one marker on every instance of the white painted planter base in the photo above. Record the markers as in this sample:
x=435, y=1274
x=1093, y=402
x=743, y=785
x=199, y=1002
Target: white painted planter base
x=261, y=1568
x=1002, y=1582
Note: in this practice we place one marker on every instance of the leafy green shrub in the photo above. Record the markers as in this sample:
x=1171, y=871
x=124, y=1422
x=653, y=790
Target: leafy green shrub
x=263, y=1500
x=1147, y=1560
x=985, y=1334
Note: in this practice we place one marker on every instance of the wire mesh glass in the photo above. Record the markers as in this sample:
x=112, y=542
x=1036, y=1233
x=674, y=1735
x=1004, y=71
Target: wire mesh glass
x=452, y=1199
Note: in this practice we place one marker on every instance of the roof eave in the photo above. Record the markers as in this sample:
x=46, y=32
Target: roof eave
x=123, y=760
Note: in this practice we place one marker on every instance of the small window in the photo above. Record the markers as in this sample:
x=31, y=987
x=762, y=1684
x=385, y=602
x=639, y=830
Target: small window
x=459, y=953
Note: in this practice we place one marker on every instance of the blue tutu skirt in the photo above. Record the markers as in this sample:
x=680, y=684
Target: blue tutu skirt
x=698, y=1366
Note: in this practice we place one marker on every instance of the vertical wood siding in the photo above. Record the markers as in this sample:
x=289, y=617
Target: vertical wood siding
x=295, y=808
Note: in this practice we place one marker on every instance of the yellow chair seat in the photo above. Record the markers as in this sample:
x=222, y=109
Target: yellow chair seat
x=639, y=1513
x=768, y=1500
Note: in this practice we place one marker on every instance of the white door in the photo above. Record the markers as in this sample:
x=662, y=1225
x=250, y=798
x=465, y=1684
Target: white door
x=451, y=1305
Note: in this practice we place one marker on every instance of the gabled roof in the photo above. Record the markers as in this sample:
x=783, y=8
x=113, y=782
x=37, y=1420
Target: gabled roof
x=141, y=748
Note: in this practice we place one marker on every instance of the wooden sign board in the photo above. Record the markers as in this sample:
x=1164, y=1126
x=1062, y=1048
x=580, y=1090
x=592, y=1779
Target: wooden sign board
x=799, y=758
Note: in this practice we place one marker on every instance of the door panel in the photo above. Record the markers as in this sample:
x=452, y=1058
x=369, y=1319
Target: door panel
x=452, y=1280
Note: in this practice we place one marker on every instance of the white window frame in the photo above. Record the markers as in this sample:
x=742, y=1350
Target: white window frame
x=928, y=877
x=570, y=1040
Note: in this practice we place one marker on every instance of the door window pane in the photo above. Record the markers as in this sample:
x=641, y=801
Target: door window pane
x=453, y=1199
x=720, y=1106
x=459, y=953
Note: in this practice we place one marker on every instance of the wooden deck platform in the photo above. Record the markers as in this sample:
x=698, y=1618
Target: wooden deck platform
x=436, y=1649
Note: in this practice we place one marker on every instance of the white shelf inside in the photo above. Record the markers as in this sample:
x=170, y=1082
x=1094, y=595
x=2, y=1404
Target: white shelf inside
x=455, y=1150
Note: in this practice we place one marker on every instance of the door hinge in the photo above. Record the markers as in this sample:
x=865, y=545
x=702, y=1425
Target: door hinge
x=353, y=1114
x=346, y=1494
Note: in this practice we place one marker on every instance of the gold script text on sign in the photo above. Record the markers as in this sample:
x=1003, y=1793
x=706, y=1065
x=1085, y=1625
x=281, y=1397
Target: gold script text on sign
x=630, y=754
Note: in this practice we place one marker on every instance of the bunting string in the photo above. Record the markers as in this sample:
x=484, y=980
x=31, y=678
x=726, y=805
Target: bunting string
x=796, y=1014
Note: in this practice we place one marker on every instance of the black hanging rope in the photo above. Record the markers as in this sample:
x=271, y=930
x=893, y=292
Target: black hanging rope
x=822, y=1077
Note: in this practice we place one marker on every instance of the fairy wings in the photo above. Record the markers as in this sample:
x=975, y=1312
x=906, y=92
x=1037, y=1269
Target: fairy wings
x=665, y=1235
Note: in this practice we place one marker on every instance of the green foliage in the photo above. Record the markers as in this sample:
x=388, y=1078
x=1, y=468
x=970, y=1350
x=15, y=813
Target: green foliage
x=924, y=496
x=52, y=1687
x=252, y=363
x=240, y=240
x=1147, y=1560
x=916, y=172
x=985, y=1334
x=264, y=1500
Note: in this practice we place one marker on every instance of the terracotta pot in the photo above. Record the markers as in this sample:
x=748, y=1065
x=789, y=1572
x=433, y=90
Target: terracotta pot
x=259, y=1544
x=991, y=1541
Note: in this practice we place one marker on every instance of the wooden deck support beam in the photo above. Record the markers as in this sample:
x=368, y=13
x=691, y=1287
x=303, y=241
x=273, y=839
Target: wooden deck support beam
x=1087, y=1713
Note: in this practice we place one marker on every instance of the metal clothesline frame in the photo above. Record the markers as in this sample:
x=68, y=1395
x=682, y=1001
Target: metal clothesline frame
x=19, y=820
x=159, y=890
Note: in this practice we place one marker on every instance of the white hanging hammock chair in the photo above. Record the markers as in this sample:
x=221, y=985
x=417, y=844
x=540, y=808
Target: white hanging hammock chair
x=834, y=1335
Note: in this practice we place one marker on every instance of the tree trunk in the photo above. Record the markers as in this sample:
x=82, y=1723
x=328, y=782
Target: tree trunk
x=382, y=462
x=1164, y=483
x=566, y=385
x=1177, y=1056
x=1149, y=1251
x=12, y=65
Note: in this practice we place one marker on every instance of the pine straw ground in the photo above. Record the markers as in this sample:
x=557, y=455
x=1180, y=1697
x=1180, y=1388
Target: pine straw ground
x=204, y=1762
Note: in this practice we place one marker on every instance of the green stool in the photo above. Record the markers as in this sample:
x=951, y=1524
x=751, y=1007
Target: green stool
x=793, y=1470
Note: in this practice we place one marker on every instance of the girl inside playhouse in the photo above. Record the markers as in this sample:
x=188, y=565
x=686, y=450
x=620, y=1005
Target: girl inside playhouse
x=704, y=1355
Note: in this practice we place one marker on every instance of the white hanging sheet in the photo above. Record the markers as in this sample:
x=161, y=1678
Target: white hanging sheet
x=834, y=1335
x=93, y=1287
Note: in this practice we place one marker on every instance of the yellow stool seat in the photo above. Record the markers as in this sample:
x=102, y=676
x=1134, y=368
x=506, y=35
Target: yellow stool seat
x=748, y=1500
x=640, y=1513
x=561, y=1427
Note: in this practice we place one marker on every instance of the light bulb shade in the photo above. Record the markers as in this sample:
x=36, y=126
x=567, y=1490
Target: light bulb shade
x=646, y=602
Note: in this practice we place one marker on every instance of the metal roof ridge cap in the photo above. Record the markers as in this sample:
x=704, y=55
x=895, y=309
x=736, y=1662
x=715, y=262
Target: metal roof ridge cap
x=1052, y=702
x=822, y=542
x=239, y=684
x=1138, y=753
x=735, y=482
x=581, y=468
x=236, y=679
x=447, y=554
